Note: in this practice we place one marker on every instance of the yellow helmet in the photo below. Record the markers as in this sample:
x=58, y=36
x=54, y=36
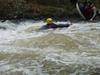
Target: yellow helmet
x=49, y=20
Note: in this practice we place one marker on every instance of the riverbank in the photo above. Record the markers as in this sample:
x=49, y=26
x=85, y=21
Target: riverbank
x=38, y=10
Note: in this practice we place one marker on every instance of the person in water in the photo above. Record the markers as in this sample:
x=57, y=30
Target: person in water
x=51, y=25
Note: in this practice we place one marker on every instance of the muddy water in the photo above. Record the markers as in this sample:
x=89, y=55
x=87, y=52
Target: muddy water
x=26, y=51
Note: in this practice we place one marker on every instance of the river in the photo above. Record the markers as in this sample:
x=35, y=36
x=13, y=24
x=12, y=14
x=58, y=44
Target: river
x=68, y=51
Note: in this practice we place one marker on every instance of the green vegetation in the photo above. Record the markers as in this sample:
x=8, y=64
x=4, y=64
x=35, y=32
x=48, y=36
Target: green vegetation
x=15, y=9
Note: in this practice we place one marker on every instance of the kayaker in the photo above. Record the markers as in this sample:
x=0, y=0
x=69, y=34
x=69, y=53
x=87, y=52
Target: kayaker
x=51, y=25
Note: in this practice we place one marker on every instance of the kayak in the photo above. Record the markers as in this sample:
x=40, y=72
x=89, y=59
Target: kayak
x=44, y=27
x=86, y=13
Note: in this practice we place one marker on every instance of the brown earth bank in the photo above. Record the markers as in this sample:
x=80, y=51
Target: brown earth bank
x=39, y=9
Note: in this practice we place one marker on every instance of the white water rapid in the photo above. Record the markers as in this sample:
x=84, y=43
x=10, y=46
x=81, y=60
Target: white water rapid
x=68, y=51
